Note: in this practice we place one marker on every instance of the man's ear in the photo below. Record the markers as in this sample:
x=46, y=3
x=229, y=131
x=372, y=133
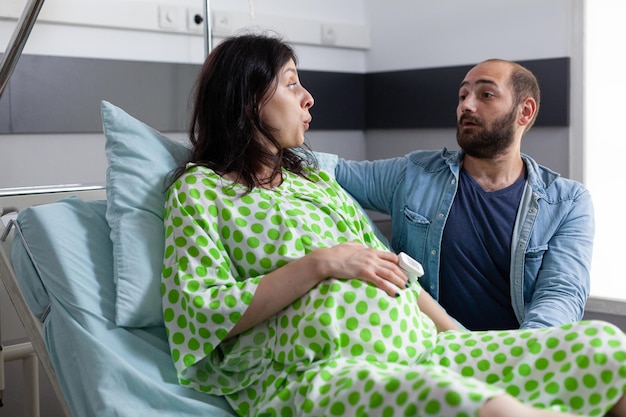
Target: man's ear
x=528, y=108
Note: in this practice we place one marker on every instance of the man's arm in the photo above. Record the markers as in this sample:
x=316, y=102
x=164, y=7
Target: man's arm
x=329, y=163
x=563, y=283
x=371, y=183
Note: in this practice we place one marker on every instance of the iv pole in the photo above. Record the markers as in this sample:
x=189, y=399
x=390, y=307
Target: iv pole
x=17, y=42
x=208, y=39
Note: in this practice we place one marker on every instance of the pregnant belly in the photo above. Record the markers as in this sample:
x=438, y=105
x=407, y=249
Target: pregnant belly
x=351, y=318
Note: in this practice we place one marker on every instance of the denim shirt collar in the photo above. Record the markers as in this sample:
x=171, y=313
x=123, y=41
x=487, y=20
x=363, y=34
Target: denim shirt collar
x=539, y=180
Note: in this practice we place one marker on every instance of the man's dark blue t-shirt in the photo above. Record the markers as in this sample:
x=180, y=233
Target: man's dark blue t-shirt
x=476, y=244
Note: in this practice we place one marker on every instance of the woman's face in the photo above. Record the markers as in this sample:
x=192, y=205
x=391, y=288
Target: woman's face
x=286, y=112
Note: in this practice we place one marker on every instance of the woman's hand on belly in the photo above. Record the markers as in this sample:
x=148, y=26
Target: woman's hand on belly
x=353, y=260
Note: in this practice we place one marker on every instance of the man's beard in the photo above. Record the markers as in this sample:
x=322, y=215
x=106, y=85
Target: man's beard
x=487, y=143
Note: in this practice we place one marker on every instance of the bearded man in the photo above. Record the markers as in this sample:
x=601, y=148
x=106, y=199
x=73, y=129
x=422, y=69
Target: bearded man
x=504, y=242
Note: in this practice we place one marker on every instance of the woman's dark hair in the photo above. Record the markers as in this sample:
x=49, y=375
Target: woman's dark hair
x=226, y=132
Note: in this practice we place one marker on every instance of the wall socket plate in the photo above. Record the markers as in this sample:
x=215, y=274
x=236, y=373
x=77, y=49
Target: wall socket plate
x=169, y=17
x=195, y=20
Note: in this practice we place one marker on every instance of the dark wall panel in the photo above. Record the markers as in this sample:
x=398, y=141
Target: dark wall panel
x=422, y=98
x=62, y=95
x=5, y=111
x=554, y=79
x=427, y=98
x=339, y=99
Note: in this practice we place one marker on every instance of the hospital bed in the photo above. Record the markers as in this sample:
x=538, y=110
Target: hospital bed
x=83, y=273
x=81, y=267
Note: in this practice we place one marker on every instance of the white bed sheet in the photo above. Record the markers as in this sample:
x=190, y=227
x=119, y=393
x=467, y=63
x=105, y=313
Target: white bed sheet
x=62, y=256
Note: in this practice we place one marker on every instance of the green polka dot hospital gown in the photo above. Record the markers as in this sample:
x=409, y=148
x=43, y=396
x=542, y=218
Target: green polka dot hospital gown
x=346, y=348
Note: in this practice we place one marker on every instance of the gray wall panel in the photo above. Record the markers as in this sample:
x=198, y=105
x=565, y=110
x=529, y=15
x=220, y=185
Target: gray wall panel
x=427, y=98
x=5, y=111
x=62, y=95
x=339, y=99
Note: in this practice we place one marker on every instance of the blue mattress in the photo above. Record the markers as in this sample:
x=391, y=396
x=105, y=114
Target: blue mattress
x=62, y=256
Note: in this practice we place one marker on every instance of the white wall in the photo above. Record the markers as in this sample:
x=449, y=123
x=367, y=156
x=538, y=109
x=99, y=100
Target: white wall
x=77, y=41
x=466, y=32
x=605, y=144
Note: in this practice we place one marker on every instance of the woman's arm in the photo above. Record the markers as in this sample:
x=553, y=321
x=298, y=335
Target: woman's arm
x=282, y=287
x=437, y=314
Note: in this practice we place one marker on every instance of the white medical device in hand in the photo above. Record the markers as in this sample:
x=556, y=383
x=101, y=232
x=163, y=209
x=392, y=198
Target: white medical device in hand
x=412, y=268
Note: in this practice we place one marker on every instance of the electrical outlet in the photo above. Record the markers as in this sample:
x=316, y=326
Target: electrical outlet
x=329, y=34
x=169, y=17
x=195, y=20
x=222, y=23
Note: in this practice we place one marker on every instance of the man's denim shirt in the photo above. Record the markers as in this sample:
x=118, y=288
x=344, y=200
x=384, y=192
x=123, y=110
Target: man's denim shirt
x=552, y=238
